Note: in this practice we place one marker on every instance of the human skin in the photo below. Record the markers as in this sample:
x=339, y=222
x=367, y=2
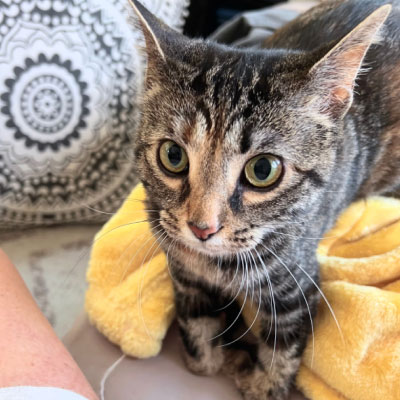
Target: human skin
x=30, y=352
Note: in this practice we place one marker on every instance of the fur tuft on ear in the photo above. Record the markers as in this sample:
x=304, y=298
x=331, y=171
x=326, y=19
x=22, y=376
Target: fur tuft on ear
x=335, y=74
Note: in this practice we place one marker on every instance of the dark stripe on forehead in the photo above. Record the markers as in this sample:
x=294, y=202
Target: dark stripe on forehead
x=244, y=115
x=220, y=79
x=199, y=84
x=254, y=97
x=218, y=82
x=187, y=133
x=240, y=87
x=248, y=111
x=235, y=96
x=204, y=110
x=245, y=141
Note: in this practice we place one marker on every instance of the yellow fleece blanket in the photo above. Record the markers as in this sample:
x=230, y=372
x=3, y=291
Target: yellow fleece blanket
x=354, y=356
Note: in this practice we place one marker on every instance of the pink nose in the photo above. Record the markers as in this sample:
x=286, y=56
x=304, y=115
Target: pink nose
x=203, y=233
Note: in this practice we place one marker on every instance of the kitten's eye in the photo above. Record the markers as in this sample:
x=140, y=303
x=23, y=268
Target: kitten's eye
x=263, y=171
x=173, y=157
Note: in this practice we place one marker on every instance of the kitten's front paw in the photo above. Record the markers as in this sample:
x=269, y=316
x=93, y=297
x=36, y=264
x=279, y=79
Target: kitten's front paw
x=257, y=385
x=208, y=363
x=202, y=355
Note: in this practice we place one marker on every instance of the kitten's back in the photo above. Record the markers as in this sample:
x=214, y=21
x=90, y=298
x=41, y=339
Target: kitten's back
x=329, y=22
x=375, y=113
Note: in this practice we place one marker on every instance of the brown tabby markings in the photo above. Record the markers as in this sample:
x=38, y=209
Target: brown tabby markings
x=388, y=159
x=338, y=139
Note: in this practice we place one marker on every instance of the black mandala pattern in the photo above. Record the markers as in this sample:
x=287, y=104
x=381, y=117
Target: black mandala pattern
x=44, y=102
x=69, y=77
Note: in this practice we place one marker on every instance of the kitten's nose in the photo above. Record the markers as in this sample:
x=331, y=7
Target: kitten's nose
x=203, y=232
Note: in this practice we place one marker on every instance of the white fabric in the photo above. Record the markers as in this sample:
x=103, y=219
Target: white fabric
x=70, y=75
x=37, y=393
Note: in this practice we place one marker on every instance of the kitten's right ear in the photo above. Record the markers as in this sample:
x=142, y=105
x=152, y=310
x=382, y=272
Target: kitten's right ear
x=334, y=76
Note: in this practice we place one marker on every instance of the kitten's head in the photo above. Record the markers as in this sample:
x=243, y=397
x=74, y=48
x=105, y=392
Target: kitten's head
x=236, y=144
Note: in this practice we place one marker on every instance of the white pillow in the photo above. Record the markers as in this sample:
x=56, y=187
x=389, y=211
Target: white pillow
x=70, y=72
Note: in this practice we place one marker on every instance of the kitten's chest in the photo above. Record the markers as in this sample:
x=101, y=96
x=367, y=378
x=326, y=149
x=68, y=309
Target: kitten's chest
x=194, y=266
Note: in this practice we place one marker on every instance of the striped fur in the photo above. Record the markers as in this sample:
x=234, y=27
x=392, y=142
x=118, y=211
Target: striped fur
x=225, y=106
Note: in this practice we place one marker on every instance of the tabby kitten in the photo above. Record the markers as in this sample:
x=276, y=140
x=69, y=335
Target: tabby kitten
x=248, y=157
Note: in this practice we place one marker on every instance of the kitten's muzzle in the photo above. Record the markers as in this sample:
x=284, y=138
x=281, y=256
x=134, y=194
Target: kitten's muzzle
x=202, y=232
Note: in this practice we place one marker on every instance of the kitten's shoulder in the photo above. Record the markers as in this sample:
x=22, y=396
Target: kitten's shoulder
x=329, y=22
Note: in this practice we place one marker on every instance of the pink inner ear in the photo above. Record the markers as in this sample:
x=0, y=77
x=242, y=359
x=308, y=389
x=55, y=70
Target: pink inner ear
x=350, y=61
x=336, y=73
x=341, y=94
x=340, y=71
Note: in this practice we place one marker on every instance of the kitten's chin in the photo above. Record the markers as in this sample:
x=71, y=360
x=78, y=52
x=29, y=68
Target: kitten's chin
x=206, y=249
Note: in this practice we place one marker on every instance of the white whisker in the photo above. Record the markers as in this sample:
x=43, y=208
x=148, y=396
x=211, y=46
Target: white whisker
x=116, y=212
x=301, y=237
x=240, y=311
x=167, y=257
x=236, y=272
x=240, y=286
x=142, y=275
x=136, y=252
x=134, y=241
x=304, y=297
x=257, y=313
x=325, y=299
x=274, y=315
x=87, y=251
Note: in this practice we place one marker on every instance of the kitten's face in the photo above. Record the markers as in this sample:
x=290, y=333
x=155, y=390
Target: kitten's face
x=218, y=121
x=229, y=149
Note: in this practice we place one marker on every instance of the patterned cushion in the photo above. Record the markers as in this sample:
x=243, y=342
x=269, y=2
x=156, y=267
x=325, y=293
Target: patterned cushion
x=70, y=72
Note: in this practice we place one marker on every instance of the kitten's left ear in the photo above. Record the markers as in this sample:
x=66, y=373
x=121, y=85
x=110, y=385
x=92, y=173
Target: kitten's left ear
x=151, y=28
x=160, y=39
x=334, y=76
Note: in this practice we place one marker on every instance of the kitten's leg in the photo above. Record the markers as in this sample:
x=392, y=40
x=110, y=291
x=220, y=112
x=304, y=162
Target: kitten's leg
x=199, y=322
x=272, y=376
x=265, y=380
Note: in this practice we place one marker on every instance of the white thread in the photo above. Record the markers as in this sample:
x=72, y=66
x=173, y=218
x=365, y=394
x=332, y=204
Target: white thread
x=107, y=374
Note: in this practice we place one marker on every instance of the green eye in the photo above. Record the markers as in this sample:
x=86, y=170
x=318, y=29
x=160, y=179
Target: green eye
x=173, y=157
x=263, y=171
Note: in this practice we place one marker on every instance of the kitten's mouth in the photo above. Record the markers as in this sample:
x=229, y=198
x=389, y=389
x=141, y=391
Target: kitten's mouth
x=215, y=246
x=205, y=249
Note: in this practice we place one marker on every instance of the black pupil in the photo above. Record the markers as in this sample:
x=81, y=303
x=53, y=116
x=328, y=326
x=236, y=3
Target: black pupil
x=175, y=155
x=262, y=169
